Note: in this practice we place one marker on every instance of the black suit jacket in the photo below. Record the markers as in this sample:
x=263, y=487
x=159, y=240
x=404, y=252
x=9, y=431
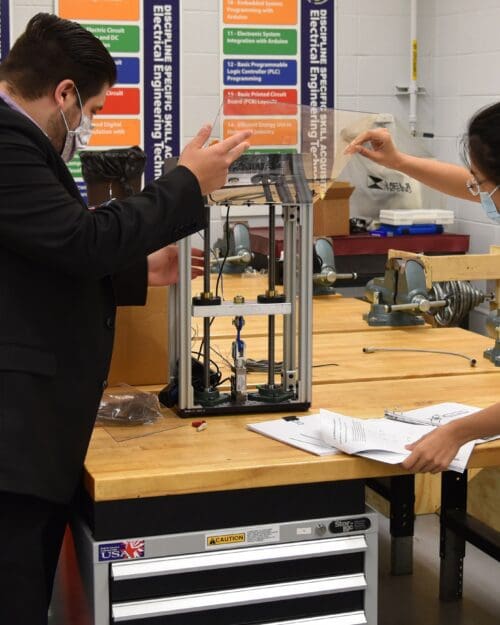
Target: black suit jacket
x=57, y=299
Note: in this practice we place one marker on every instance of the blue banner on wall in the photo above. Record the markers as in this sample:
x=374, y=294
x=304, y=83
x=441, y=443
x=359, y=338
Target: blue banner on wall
x=4, y=28
x=317, y=88
x=256, y=72
x=161, y=41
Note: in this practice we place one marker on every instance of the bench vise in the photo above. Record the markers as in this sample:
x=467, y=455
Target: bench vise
x=416, y=288
x=401, y=296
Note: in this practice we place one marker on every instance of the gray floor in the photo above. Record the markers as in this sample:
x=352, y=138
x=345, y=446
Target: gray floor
x=413, y=599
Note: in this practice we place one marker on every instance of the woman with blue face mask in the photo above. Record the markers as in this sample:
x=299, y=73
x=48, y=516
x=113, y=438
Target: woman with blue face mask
x=479, y=181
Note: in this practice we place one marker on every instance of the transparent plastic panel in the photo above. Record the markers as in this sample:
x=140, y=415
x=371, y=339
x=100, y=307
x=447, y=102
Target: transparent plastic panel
x=296, y=152
x=121, y=433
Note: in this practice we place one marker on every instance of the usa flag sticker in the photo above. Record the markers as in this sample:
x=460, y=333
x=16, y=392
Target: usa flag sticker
x=124, y=550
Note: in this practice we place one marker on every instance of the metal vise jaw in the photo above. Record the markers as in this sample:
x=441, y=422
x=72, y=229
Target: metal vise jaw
x=493, y=330
x=238, y=257
x=399, y=298
x=324, y=273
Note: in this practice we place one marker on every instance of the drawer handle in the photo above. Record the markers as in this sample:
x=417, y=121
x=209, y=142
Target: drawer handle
x=236, y=597
x=236, y=557
x=348, y=618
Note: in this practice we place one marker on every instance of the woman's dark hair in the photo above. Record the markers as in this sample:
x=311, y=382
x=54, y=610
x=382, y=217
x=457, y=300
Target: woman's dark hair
x=482, y=143
x=52, y=49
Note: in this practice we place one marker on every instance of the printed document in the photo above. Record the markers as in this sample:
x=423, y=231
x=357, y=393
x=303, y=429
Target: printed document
x=383, y=439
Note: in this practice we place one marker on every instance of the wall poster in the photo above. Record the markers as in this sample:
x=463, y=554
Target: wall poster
x=143, y=36
x=276, y=55
x=4, y=28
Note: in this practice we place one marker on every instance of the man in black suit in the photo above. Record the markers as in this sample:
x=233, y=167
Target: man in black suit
x=63, y=270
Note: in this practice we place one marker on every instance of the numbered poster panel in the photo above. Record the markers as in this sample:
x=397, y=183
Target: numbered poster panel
x=4, y=28
x=276, y=55
x=143, y=107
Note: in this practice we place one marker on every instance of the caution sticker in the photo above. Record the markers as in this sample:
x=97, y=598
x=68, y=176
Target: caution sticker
x=225, y=539
x=259, y=534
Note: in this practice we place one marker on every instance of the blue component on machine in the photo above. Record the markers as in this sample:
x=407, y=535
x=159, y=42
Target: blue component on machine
x=385, y=230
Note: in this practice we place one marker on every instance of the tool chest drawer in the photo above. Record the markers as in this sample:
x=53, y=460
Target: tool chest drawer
x=190, y=574
x=242, y=585
x=242, y=606
x=320, y=571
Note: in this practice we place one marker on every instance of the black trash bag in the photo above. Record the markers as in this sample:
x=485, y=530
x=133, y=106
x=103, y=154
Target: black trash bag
x=123, y=166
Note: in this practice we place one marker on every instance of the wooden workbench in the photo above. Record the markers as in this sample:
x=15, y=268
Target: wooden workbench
x=227, y=456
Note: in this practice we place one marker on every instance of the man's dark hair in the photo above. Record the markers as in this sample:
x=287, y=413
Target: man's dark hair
x=52, y=49
x=482, y=143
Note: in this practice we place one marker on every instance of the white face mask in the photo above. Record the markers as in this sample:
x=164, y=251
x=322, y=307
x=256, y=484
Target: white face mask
x=78, y=138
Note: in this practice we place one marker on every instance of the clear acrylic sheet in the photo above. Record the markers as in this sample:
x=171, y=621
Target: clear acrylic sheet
x=121, y=433
x=308, y=148
x=308, y=145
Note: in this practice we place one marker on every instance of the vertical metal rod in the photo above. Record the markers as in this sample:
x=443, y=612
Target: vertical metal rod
x=305, y=289
x=206, y=289
x=270, y=350
x=173, y=330
x=184, y=291
x=272, y=286
x=206, y=253
x=206, y=353
x=290, y=288
x=272, y=247
x=289, y=265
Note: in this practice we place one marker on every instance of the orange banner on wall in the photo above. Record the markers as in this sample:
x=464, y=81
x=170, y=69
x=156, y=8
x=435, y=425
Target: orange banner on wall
x=270, y=131
x=119, y=132
x=269, y=12
x=123, y=10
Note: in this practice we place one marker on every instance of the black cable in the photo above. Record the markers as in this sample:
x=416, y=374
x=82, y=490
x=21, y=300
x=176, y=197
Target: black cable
x=219, y=279
x=197, y=381
x=221, y=268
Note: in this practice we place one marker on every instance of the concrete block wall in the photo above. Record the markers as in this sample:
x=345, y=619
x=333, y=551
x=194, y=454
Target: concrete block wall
x=373, y=56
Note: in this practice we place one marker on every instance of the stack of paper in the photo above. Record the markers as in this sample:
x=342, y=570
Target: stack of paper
x=379, y=439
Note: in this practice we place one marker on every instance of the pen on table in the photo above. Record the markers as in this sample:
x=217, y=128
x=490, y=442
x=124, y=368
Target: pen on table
x=435, y=420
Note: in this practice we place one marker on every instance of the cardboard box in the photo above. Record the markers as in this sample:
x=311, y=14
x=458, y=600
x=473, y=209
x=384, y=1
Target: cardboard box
x=140, y=352
x=331, y=214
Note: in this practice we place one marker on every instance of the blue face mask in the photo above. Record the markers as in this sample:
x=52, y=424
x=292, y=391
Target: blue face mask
x=488, y=205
